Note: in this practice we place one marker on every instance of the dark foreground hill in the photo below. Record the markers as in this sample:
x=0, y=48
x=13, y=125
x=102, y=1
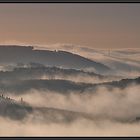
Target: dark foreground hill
x=22, y=54
x=19, y=111
x=12, y=109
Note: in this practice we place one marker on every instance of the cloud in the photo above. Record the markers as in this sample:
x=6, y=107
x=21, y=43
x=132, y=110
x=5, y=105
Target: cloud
x=78, y=128
x=116, y=104
x=114, y=113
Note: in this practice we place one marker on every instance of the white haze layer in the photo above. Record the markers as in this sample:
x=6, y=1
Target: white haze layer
x=78, y=128
x=114, y=113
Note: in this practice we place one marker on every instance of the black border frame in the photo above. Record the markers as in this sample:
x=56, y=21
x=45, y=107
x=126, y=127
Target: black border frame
x=69, y=1
x=69, y=138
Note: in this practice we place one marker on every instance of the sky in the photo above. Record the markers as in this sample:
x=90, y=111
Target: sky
x=96, y=25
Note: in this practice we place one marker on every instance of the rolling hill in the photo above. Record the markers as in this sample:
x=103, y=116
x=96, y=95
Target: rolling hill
x=27, y=54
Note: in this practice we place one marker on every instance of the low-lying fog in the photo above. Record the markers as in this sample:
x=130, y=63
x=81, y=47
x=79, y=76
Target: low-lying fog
x=81, y=110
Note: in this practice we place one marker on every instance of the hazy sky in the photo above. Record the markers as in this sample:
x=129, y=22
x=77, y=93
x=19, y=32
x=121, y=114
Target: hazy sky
x=96, y=25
